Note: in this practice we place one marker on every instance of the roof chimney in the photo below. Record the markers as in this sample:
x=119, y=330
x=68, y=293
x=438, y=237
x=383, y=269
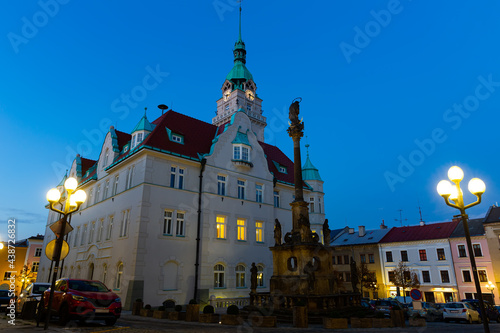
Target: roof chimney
x=351, y=230
x=422, y=223
x=361, y=230
x=383, y=226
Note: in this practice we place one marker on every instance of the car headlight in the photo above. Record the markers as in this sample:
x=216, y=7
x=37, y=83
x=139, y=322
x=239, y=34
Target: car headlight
x=78, y=298
x=118, y=300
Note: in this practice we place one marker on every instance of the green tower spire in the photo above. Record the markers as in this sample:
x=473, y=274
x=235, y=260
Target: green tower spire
x=239, y=74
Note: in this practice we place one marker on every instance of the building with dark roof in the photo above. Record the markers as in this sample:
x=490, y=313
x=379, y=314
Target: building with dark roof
x=425, y=249
x=491, y=224
x=179, y=204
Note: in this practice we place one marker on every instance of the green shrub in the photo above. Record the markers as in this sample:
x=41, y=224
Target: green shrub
x=193, y=301
x=233, y=310
x=161, y=308
x=208, y=309
x=178, y=308
x=147, y=307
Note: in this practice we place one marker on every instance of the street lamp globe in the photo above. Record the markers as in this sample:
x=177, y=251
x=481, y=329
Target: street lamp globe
x=71, y=184
x=477, y=186
x=444, y=188
x=455, y=174
x=78, y=198
x=53, y=195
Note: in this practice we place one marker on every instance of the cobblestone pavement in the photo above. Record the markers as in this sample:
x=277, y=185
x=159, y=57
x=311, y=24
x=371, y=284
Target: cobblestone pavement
x=136, y=324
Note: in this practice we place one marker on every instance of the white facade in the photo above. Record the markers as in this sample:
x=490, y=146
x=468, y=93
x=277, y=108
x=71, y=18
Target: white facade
x=436, y=276
x=137, y=232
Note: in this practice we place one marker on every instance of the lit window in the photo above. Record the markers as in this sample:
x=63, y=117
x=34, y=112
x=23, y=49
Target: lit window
x=241, y=189
x=119, y=274
x=276, y=199
x=221, y=185
x=423, y=255
x=221, y=227
x=440, y=254
x=219, y=276
x=38, y=252
x=258, y=193
x=167, y=223
x=259, y=231
x=240, y=276
x=34, y=267
x=179, y=231
x=260, y=276
x=461, y=251
x=482, y=275
x=242, y=232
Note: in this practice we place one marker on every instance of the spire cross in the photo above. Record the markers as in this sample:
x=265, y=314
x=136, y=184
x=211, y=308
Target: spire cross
x=145, y=109
x=240, y=21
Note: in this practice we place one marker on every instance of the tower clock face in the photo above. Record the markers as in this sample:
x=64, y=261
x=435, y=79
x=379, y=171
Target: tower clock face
x=250, y=95
x=227, y=93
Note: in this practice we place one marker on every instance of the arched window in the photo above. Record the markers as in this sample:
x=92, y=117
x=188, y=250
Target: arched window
x=219, y=276
x=240, y=276
x=260, y=276
x=104, y=273
x=170, y=271
x=119, y=273
x=106, y=155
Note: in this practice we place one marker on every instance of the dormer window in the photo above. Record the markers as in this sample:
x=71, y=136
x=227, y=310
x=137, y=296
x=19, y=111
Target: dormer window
x=177, y=138
x=138, y=138
x=282, y=169
x=241, y=153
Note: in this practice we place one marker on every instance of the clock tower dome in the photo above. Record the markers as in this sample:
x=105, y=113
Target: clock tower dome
x=239, y=93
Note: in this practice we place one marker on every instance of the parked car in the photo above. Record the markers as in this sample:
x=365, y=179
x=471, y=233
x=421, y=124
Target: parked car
x=386, y=305
x=367, y=304
x=428, y=311
x=491, y=312
x=34, y=292
x=460, y=311
x=4, y=300
x=83, y=299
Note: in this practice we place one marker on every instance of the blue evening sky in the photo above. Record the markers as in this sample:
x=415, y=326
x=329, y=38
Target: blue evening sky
x=394, y=92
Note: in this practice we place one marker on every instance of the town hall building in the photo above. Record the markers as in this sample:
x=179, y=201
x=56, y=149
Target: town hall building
x=179, y=208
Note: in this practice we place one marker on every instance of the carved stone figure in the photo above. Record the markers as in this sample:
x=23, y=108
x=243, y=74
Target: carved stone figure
x=253, y=277
x=293, y=113
x=277, y=232
x=309, y=271
x=326, y=233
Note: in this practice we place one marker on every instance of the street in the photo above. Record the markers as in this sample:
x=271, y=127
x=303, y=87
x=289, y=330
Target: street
x=136, y=324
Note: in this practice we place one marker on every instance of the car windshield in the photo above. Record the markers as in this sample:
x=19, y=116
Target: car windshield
x=455, y=305
x=80, y=285
x=4, y=293
x=39, y=289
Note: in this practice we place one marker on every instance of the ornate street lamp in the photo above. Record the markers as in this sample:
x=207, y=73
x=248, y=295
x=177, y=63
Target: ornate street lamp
x=70, y=204
x=453, y=196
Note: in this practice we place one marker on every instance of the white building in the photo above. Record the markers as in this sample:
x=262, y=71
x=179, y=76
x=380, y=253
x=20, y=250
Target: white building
x=425, y=249
x=154, y=192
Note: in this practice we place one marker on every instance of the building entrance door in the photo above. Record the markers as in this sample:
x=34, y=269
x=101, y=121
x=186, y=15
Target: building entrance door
x=429, y=297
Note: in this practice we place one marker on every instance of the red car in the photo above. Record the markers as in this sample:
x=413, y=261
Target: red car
x=82, y=300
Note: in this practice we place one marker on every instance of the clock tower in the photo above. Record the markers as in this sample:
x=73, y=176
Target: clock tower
x=239, y=93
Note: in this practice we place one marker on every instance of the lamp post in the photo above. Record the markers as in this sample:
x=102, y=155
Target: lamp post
x=453, y=197
x=490, y=286
x=70, y=204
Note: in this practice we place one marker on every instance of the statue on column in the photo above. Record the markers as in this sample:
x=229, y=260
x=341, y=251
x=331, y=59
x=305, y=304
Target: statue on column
x=277, y=232
x=293, y=112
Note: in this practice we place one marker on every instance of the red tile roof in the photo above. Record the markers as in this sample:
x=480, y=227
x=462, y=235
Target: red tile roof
x=416, y=233
x=198, y=135
x=273, y=153
x=122, y=139
x=87, y=164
